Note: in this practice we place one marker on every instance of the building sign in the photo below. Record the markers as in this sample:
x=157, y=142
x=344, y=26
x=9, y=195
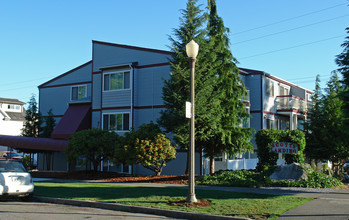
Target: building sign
x=284, y=148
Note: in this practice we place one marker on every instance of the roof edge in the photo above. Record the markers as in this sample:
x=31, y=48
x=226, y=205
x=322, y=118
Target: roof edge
x=64, y=74
x=133, y=47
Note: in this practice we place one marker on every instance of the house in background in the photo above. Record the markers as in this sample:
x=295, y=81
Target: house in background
x=121, y=88
x=12, y=118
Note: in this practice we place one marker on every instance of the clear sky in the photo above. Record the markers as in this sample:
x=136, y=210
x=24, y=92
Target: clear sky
x=292, y=39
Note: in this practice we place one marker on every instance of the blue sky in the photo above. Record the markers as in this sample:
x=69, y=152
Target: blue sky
x=294, y=40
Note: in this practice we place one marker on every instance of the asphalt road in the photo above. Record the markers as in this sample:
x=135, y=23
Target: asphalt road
x=13, y=210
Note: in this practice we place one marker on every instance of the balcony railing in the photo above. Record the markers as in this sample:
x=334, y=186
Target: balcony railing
x=291, y=102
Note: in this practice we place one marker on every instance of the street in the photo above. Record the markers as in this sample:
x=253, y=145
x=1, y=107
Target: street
x=13, y=210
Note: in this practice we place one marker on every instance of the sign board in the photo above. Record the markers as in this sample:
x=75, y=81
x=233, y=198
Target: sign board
x=284, y=148
x=188, y=109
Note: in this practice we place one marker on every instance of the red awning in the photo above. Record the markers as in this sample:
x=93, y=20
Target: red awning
x=76, y=118
x=33, y=143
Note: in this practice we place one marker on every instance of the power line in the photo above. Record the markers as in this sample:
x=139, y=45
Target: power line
x=288, y=19
x=288, y=48
x=309, y=77
x=292, y=29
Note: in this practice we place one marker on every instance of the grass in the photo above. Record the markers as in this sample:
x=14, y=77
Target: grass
x=250, y=205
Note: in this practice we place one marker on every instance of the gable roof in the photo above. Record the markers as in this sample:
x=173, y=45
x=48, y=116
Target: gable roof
x=11, y=101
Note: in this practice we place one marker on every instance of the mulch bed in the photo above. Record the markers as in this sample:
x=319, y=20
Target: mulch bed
x=110, y=177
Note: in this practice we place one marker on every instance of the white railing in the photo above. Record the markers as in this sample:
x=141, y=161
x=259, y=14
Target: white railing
x=291, y=102
x=242, y=164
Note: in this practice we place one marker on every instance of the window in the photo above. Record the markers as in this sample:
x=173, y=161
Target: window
x=17, y=107
x=270, y=123
x=116, y=81
x=78, y=92
x=270, y=88
x=117, y=122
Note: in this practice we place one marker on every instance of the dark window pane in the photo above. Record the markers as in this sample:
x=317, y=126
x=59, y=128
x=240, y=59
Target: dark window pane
x=74, y=93
x=126, y=126
x=106, y=122
x=119, y=122
x=112, y=122
x=126, y=80
x=106, y=82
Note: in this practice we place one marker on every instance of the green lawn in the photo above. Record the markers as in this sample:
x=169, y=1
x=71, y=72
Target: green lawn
x=250, y=205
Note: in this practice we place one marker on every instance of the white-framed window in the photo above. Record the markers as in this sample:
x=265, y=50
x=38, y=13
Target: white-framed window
x=116, y=81
x=17, y=107
x=270, y=123
x=270, y=88
x=116, y=121
x=78, y=92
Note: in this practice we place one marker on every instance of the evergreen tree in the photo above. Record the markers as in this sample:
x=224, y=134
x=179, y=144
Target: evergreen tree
x=229, y=136
x=32, y=126
x=314, y=127
x=334, y=133
x=176, y=89
x=342, y=60
x=50, y=124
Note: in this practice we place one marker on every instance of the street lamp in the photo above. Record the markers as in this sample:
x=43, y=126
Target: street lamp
x=192, y=50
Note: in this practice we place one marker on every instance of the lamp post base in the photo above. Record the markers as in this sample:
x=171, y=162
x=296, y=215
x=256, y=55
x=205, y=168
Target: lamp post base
x=191, y=198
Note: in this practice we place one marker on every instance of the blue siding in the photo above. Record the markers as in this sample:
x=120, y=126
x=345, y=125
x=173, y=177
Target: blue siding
x=148, y=85
x=96, y=97
x=116, y=98
x=82, y=74
x=57, y=98
x=144, y=116
x=106, y=55
x=254, y=84
x=96, y=119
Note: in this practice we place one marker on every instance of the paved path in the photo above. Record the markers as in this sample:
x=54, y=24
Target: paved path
x=328, y=203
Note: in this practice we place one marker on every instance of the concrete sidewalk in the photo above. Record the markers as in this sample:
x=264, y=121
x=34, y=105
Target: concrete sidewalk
x=327, y=203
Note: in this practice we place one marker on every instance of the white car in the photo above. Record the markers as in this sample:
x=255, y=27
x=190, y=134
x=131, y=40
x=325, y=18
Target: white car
x=15, y=181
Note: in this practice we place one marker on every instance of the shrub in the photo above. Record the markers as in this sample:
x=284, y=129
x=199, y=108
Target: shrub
x=253, y=178
x=266, y=137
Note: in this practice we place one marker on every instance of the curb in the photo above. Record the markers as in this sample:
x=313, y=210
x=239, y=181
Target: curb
x=135, y=209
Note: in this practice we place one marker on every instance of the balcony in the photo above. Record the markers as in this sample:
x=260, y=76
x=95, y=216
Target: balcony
x=292, y=103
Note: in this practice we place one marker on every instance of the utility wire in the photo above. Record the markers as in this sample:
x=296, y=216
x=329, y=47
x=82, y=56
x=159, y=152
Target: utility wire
x=292, y=29
x=288, y=19
x=288, y=48
x=308, y=77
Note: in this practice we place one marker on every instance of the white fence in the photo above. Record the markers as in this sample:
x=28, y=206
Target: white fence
x=238, y=164
x=242, y=164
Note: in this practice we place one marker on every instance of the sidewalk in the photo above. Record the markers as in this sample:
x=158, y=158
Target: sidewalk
x=327, y=203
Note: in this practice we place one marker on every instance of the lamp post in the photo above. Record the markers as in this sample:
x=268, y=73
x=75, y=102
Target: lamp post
x=192, y=50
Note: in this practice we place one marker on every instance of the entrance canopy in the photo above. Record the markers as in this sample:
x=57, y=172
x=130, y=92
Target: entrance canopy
x=33, y=143
x=76, y=118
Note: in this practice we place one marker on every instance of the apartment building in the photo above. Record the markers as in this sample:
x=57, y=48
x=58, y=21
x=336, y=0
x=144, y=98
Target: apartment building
x=121, y=88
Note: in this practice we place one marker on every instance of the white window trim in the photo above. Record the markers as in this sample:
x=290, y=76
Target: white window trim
x=115, y=113
x=71, y=91
x=115, y=72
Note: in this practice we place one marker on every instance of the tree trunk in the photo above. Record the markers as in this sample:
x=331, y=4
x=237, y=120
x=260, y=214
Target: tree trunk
x=212, y=168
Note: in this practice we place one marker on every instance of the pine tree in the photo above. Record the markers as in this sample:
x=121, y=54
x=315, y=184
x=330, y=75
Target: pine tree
x=342, y=60
x=32, y=126
x=334, y=136
x=229, y=89
x=314, y=127
x=176, y=89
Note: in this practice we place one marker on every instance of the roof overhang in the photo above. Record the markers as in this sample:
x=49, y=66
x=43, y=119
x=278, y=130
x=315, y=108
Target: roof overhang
x=33, y=143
